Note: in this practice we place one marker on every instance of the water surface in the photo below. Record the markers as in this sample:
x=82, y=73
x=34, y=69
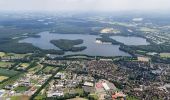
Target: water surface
x=93, y=48
x=130, y=40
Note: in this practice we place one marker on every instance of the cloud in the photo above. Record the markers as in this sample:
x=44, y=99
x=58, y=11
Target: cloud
x=85, y=5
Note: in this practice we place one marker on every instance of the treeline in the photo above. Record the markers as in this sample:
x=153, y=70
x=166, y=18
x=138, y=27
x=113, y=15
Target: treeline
x=153, y=48
x=105, y=38
x=17, y=47
x=52, y=51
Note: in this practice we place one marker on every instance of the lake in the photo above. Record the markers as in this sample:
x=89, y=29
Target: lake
x=130, y=40
x=93, y=48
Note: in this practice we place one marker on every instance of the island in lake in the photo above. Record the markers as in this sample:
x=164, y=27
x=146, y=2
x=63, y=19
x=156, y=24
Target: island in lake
x=69, y=45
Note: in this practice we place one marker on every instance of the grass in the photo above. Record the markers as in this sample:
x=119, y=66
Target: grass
x=19, y=97
x=122, y=24
x=131, y=98
x=10, y=80
x=40, y=97
x=48, y=69
x=24, y=65
x=165, y=55
x=94, y=96
x=2, y=54
x=78, y=98
x=21, y=89
x=110, y=30
x=35, y=69
x=79, y=90
x=6, y=64
x=34, y=81
x=141, y=51
x=76, y=90
x=6, y=72
x=3, y=78
x=18, y=55
x=145, y=29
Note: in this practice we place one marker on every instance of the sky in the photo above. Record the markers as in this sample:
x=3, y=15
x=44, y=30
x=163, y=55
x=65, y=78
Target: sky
x=84, y=5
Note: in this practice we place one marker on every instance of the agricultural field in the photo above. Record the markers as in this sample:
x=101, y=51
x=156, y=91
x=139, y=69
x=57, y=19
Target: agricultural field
x=3, y=78
x=145, y=29
x=78, y=98
x=6, y=64
x=165, y=55
x=2, y=54
x=18, y=55
x=19, y=98
x=23, y=66
x=110, y=30
x=48, y=69
x=8, y=73
x=21, y=89
x=35, y=69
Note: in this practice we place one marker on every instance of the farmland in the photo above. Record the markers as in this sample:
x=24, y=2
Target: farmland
x=6, y=64
x=6, y=72
x=3, y=78
x=2, y=54
x=165, y=55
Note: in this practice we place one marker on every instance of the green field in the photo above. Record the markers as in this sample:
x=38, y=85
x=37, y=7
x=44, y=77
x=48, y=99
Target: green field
x=10, y=80
x=19, y=97
x=8, y=73
x=121, y=23
x=3, y=78
x=145, y=29
x=78, y=98
x=48, y=69
x=35, y=69
x=2, y=54
x=18, y=55
x=24, y=65
x=21, y=89
x=131, y=98
x=165, y=55
x=40, y=97
x=6, y=64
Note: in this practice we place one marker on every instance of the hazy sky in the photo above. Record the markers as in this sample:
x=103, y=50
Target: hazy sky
x=85, y=5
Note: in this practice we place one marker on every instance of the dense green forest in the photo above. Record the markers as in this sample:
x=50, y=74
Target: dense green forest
x=68, y=45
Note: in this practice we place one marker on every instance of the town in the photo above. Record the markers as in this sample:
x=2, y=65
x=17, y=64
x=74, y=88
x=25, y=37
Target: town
x=37, y=78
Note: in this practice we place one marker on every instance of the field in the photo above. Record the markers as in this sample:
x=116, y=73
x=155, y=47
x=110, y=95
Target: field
x=21, y=88
x=10, y=80
x=35, y=69
x=40, y=97
x=2, y=54
x=3, y=78
x=24, y=65
x=165, y=55
x=48, y=69
x=9, y=73
x=145, y=29
x=6, y=64
x=110, y=30
x=121, y=23
x=19, y=98
x=78, y=98
x=18, y=55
